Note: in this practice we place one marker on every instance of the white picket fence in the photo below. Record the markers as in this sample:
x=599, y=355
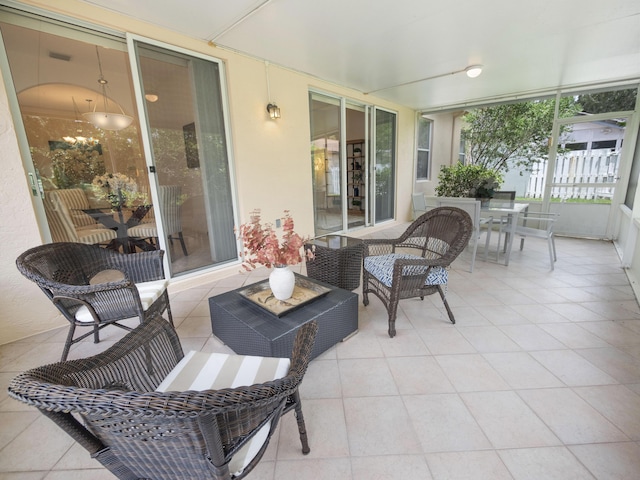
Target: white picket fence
x=574, y=172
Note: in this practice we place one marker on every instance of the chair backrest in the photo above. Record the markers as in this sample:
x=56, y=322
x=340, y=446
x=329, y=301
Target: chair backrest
x=64, y=272
x=60, y=224
x=442, y=232
x=469, y=205
x=171, y=207
x=75, y=200
x=503, y=199
x=137, y=432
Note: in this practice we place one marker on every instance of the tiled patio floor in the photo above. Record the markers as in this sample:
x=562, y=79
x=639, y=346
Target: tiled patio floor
x=539, y=379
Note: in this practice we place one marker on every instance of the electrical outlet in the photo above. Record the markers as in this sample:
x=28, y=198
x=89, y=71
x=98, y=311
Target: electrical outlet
x=278, y=223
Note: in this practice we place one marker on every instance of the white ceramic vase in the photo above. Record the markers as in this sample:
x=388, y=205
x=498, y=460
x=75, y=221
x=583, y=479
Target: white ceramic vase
x=282, y=282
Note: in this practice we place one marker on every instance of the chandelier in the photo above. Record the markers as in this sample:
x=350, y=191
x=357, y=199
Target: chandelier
x=106, y=120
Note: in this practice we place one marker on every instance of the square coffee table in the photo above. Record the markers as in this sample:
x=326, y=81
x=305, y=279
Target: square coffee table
x=250, y=330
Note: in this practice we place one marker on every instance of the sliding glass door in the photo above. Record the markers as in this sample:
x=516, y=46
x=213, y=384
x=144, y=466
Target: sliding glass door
x=384, y=164
x=187, y=148
x=353, y=184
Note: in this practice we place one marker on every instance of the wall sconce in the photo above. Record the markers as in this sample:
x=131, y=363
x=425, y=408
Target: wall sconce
x=274, y=111
x=272, y=108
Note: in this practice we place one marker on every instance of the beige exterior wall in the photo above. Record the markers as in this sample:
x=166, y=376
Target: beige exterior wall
x=271, y=158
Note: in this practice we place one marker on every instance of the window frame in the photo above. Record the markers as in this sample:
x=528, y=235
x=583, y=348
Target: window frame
x=421, y=122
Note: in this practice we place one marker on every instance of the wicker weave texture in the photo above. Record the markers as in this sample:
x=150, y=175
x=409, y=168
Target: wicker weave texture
x=340, y=266
x=136, y=432
x=438, y=236
x=63, y=272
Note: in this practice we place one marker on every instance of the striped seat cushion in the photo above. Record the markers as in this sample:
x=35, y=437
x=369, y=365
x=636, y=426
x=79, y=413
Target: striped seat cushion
x=381, y=267
x=213, y=371
x=149, y=293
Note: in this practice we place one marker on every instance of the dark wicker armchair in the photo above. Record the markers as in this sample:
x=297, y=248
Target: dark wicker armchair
x=95, y=287
x=415, y=264
x=107, y=404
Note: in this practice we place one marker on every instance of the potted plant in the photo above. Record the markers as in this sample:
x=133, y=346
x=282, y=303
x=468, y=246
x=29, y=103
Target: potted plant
x=470, y=181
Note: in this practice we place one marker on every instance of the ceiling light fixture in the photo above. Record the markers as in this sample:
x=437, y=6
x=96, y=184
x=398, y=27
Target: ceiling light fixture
x=472, y=71
x=151, y=97
x=106, y=120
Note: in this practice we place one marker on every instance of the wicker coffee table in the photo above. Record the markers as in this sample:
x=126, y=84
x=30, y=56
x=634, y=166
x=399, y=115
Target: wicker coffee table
x=251, y=330
x=338, y=260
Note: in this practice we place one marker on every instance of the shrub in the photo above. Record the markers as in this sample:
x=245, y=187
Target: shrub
x=473, y=181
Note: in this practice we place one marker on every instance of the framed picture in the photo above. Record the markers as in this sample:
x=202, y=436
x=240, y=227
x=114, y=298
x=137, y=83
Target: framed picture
x=191, y=145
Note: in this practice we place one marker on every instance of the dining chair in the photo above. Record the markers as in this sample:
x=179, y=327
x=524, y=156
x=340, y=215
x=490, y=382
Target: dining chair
x=96, y=287
x=62, y=226
x=416, y=263
x=170, y=197
x=545, y=223
x=480, y=224
x=144, y=409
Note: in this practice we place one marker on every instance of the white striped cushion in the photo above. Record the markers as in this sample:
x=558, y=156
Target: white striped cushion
x=213, y=371
x=149, y=293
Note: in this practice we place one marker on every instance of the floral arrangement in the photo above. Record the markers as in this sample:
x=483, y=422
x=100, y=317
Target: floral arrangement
x=118, y=189
x=262, y=245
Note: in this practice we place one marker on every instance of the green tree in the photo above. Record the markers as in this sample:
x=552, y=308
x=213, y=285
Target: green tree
x=512, y=135
x=604, y=102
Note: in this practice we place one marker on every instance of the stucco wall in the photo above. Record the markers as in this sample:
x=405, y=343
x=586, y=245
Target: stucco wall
x=272, y=164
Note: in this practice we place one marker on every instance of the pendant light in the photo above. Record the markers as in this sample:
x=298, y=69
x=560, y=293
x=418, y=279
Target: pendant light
x=107, y=120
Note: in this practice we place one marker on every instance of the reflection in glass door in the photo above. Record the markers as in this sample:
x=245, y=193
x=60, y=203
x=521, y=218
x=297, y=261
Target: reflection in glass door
x=326, y=163
x=384, y=164
x=188, y=147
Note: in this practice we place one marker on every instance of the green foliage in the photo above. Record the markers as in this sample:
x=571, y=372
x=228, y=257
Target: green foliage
x=512, y=135
x=473, y=181
x=75, y=166
x=605, y=102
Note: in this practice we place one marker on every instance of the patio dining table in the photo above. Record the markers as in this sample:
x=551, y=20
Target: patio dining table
x=510, y=213
x=117, y=222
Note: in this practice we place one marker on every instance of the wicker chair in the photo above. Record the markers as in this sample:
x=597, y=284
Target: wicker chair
x=415, y=264
x=137, y=431
x=95, y=287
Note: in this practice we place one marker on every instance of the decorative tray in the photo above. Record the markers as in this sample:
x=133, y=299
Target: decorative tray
x=304, y=292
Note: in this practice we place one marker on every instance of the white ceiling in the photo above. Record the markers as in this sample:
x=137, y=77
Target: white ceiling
x=526, y=46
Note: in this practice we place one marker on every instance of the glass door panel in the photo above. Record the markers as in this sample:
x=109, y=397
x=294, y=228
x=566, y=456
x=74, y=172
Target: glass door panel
x=326, y=164
x=55, y=71
x=384, y=161
x=188, y=147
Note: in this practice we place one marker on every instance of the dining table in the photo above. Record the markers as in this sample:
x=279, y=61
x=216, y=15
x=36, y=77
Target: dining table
x=508, y=214
x=115, y=220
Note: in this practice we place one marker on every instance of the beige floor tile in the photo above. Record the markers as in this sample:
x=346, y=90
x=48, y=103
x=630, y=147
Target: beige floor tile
x=618, y=404
x=572, y=419
x=444, y=424
x=613, y=333
x=572, y=369
x=537, y=313
x=573, y=336
x=445, y=341
x=322, y=380
x=406, y=467
x=471, y=373
x=380, y=426
x=531, y=337
x=548, y=463
x=326, y=429
x=419, y=375
x=481, y=465
x=620, y=365
x=507, y=421
x=366, y=377
x=620, y=461
x=520, y=370
x=488, y=339
x=313, y=469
